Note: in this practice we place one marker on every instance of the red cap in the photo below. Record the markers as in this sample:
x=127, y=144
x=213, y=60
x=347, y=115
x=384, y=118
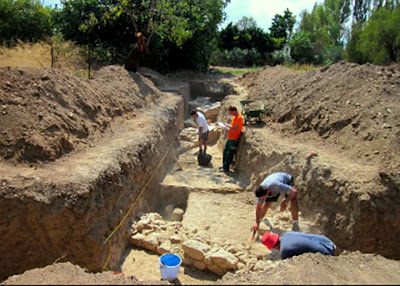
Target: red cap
x=270, y=239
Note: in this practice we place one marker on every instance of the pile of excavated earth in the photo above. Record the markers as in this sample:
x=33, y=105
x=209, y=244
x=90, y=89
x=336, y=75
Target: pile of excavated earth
x=99, y=177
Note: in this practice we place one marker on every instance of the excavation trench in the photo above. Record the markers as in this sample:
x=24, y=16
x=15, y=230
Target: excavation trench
x=149, y=168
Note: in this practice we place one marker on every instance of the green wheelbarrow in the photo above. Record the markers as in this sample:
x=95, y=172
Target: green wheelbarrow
x=253, y=109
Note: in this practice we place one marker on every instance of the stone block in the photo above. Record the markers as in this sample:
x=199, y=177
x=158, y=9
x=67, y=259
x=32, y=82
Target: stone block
x=195, y=249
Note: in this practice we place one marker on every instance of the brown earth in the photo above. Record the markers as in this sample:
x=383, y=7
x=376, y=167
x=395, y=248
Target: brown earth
x=347, y=113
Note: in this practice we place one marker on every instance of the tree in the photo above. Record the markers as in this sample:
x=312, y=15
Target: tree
x=244, y=44
x=380, y=39
x=166, y=24
x=326, y=29
x=282, y=26
x=361, y=9
x=25, y=20
x=246, y=23
x=301, y=48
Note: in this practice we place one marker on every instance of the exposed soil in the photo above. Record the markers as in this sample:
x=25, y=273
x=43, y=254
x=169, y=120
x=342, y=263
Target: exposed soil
x=348, y=114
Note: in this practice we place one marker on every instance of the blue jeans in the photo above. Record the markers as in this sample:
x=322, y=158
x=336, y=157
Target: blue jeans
x=229, y=152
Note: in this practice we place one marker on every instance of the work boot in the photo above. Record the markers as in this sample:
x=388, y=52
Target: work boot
x=295, y=226
x=222, y=169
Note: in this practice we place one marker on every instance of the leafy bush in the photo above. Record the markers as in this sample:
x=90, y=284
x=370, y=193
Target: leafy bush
x=281, y=57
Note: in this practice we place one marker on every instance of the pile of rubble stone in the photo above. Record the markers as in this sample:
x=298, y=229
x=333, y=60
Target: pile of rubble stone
x=153, y=233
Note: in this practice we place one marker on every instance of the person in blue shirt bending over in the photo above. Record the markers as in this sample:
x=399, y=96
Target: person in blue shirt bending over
x=294, y=243
x=269, y=191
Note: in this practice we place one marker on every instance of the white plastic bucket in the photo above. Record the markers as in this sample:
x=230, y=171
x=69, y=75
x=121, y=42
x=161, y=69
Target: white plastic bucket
x=169, y=266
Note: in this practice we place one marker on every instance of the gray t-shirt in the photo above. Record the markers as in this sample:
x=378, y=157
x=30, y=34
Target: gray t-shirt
x=278, y=183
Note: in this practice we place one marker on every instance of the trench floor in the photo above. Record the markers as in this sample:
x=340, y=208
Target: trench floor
x=220, y=210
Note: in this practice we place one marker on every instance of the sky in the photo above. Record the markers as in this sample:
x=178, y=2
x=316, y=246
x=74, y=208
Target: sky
x=263, y=11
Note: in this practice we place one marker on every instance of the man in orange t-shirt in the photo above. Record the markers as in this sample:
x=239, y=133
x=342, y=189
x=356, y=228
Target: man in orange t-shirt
x=234, y=132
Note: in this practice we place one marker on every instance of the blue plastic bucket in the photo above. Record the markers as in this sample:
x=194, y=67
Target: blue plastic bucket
x=169, y=266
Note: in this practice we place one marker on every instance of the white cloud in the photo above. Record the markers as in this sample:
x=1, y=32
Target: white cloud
x=263, y=11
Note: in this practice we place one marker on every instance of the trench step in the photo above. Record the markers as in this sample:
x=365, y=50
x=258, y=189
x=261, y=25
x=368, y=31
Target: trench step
x=194, y=177
x=203, y=180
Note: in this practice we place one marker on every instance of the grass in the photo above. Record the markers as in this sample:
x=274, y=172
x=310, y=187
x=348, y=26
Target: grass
x=295, y=67
x=302, y=68
x=26, y=55
x=235, y=70
x=67, y=56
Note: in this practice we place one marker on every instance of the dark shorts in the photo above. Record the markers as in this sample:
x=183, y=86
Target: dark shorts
x=276, y=197
x=204, y=136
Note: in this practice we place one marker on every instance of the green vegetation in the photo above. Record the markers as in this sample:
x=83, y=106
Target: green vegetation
x=183, y=34
x=23, y=20
x=236, y=71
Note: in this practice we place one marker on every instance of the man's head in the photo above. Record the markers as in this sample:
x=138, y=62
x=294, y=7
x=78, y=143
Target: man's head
x=270, y=240
x=260, y=191
x=232, y=110
x=193, y=113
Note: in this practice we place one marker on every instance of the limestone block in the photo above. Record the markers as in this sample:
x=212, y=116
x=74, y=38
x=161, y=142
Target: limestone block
x=165, y=247
x=195, y=249
x=251, y=263
x=199, y=265
x=243, y=258
x=207, y=259
x=177, y=214
x=137, y=240
x=176, y=238
x=186, y=260
x=232, y=249
x=225, y=260
x=261, y=266
x=146, y=232
x=144, y=223
x=154, y=216
x=151, y=242
x=216, y=269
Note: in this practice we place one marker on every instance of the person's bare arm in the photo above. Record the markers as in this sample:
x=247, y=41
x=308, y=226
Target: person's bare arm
x=261, y=210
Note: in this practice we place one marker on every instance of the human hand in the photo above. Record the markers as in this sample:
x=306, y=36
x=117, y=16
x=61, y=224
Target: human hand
x=311, y=154
x=255, y=227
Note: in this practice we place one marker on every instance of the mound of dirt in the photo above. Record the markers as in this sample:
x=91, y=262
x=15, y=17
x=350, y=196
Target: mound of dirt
x=353, y=110
x=317, y=269
x=344, y=105
x=45, y=113
x=67, y=274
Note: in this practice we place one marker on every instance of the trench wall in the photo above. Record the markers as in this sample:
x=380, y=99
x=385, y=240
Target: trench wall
x=355, y=206
x=74, y=225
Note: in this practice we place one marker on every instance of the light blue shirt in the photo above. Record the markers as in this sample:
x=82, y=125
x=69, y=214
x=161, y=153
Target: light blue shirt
x=296, y=243
x=278, y=183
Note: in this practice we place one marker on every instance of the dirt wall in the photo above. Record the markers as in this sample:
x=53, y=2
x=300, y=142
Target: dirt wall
x=69, y=216
x=356, y=205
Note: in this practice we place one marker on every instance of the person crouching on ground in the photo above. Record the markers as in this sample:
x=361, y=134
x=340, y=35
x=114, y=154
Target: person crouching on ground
x=203, y=129
x=234, y=132
x=269, y=191
x=294, y=243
